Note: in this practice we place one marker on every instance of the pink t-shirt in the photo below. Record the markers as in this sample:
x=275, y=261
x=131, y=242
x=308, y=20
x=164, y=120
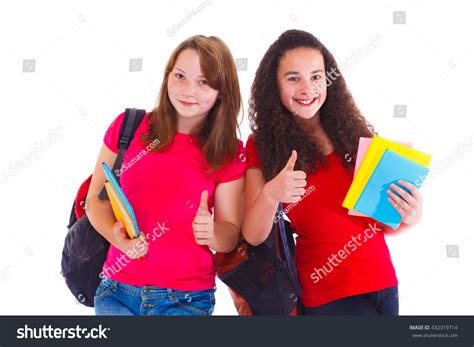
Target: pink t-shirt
x=164, y=190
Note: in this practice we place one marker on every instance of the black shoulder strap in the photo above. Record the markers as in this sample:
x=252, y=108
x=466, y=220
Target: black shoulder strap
x=290, y=262
x=131, y=121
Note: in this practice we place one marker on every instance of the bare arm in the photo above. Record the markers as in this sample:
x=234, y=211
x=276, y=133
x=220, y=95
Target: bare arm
x=101, y=215
x=259, y=208
x=99, y=211
x=220, y=233
x=261, y=199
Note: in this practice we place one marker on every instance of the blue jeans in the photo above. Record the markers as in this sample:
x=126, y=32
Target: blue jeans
x=382, y=302
x=116, y=299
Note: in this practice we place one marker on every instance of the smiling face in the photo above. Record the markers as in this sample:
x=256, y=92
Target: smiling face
x=302, y=81
x=188, y=89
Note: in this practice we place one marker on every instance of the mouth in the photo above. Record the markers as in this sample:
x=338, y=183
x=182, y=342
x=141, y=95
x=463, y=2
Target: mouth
x=187, y=104
x=305, y=102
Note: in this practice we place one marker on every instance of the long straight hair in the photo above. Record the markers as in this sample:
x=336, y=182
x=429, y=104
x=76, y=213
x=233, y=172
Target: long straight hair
x=218, y=133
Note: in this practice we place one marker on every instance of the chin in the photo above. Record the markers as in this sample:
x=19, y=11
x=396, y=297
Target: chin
x=307, y=115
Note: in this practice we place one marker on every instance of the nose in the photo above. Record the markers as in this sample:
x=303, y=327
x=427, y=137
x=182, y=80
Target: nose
x=308, y=87
x=189, y=89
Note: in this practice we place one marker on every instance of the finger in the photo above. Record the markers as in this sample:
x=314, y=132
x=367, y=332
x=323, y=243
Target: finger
x=292, y=200
x=300, y=183
x=201, y=227
x=290, y=165
x=201, y=242
x=298, y=191
x=400, y=201
x=403, y=193
x=412, y=188
x=299, y=175
x=142, y=243
x=119, y=231
x=399, y=209
x=203, y=204
x=142, y=237
x=202, y=220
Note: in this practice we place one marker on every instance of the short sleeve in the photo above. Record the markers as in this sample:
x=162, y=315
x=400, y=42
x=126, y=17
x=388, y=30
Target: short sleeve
x=112, y=134
x=235, y=170
x=251, y=152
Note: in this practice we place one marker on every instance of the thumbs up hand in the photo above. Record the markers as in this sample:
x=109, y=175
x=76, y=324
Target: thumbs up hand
x=288, y=185
x=203, y=223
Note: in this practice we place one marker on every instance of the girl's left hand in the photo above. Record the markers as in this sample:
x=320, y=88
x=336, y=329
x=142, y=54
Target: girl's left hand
x=409, y=206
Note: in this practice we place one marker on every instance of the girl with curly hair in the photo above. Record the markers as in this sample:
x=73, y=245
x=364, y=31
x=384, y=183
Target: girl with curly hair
x=306, y=127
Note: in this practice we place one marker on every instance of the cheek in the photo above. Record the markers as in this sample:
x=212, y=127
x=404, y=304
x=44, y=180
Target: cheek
x=208, y=99
x=323, y=95
x=286, y=95
x=171, y=88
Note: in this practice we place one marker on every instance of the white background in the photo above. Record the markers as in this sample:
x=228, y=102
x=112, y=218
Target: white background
x=81, y=82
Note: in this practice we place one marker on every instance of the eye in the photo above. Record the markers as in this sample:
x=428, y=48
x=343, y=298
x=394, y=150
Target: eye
x=316, y=77
x=203, y=82
x=179, y=76
x=292, y=79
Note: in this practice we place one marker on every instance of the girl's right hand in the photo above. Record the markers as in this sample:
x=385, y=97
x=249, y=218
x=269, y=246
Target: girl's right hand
x=133, y=248
x=288, y=185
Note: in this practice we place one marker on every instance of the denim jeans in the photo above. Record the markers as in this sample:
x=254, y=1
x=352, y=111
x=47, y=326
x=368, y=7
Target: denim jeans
x=115, y=298
x=382, y=302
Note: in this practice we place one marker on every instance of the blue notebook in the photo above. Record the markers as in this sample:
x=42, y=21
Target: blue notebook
x=392, y=167
x=122, y=208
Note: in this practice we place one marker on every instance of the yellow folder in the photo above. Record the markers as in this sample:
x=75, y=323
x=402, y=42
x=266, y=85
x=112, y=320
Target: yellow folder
x=372, y=157
x=120, y=211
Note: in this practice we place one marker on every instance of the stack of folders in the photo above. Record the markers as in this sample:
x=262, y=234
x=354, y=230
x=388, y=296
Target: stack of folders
x=122, y=208
x=381, y=162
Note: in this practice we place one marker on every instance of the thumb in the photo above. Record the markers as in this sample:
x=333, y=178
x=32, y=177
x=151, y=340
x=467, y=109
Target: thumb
x=119, y=230
x=203, y=204
x=290, y=165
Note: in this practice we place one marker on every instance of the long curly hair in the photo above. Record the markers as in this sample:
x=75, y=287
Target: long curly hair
x=276, y=131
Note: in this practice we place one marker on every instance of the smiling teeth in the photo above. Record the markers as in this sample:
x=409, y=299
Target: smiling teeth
x=305, y=102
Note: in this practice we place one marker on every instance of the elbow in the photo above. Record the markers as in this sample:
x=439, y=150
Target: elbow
x=251, y=236
x=90, y=208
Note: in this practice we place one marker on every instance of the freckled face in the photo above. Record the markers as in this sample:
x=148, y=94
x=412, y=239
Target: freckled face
x=188, y=89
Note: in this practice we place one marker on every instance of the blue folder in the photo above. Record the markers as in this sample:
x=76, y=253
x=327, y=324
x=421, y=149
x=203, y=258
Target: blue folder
x=392, y=167
x=111, y=178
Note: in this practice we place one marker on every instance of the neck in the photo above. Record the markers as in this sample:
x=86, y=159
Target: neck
x=314, y=128
x=189, y=126
x=312, y=125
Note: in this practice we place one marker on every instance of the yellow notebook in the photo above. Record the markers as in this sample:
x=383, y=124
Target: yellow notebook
x=120, y=211
x=372, y=157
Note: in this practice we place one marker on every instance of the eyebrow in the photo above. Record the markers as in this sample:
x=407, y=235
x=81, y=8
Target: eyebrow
x=181, y=70
x=297, y=73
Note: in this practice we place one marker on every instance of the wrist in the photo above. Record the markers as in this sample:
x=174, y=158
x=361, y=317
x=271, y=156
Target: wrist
x=267, y=193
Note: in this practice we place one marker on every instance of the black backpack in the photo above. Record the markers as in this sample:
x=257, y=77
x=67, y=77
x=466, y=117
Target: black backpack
x=264, y=276
x=85, y=250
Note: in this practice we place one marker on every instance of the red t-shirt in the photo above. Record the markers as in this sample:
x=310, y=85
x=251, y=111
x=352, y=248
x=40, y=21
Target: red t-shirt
x=337, y=255
x=164, y=190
